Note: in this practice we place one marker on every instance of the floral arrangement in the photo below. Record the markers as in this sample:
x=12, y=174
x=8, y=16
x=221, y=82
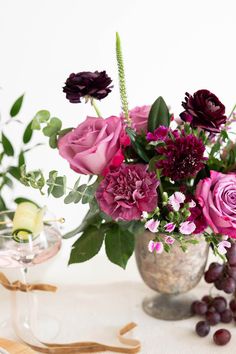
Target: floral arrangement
x=147, y=169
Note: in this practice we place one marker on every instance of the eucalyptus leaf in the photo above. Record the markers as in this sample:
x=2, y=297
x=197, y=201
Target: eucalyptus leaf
x=119, y=245
x=7, y=146
x=42, y=116
x=53, y=141
x=15, y=109
x=158, y=115
x=87, y=246
x=59, y=188
x=53, y=127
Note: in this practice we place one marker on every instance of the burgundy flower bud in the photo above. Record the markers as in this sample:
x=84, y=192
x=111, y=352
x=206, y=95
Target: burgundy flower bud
x=204, y=110
x=95, y=85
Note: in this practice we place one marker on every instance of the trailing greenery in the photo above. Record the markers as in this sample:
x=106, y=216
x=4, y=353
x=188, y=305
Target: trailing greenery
x=10, y=171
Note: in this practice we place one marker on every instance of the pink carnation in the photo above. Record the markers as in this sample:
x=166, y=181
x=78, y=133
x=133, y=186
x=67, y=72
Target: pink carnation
x=127, y=191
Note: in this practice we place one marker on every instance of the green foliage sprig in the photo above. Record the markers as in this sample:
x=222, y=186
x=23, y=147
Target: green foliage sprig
x=122, y=83
x=11, y=168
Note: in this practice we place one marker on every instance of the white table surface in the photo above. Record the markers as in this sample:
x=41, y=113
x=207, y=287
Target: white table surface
x=104, y=299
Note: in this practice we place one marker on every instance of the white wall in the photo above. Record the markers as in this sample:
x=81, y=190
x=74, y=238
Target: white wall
x=170, y=47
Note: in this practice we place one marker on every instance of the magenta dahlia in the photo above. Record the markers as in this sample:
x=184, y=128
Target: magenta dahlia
x=127, y=191
x=182, y=156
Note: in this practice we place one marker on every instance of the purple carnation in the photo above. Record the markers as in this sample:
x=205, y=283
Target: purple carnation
x=182, y=156
x=159, y=134
x=127, y=191
x=95, y=85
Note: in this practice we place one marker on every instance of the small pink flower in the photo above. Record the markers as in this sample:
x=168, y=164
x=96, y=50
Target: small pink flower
x=159, y=247
x=222, y=247
x=176, y=199
x=151, y=246
x=169, y=227
x=192, y=204
x=152, y=225
x=169, y=240
x=187, y=227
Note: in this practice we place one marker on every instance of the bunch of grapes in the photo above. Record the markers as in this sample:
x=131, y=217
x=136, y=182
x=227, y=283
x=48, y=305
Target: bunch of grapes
x=223, y=276
x=216, y=309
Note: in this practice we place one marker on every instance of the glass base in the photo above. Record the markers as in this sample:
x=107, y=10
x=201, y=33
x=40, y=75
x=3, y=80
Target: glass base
x=169, y=307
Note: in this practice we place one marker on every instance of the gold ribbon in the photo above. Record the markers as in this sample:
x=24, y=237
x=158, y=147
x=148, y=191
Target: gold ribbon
x=77, y=347
x=93, y=347
x=18, y=286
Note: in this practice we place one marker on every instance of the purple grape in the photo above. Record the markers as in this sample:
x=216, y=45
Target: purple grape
x=212, y=318
x=231, y=255
x=219, y=303
x=213, y=273
x=211, y=309
x=207, y=299
x=232, y=305
x=226, y=316
x=228, y=285
x=222, y=337
x=231, y=271
x=202, y=328
x=199, y=308
x=218, y=284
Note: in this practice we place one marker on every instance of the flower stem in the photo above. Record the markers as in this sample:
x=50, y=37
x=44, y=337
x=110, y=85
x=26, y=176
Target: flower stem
x=95, y=107
x=121, y=72
x=234, y=108
x=160, y=185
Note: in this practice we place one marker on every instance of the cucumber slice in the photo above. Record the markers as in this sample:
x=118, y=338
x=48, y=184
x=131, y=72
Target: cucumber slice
x=27, y=221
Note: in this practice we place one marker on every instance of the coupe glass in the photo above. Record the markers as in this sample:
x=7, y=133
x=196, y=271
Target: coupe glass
x=20, y=256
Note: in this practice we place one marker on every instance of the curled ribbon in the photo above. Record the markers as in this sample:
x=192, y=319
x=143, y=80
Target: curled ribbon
x=18, y=286
x=77, y=347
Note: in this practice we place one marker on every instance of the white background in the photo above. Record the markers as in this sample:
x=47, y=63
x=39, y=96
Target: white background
x=169, y=47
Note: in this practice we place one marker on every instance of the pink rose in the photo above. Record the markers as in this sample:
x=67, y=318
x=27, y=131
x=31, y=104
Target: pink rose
x=217, y=197
x=91, y=146
x=139, y=117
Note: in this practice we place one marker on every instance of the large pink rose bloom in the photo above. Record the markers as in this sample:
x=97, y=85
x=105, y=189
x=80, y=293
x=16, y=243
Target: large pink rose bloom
x=139, y=118
x=91, y=146
x=127, y=191
x=217, y=197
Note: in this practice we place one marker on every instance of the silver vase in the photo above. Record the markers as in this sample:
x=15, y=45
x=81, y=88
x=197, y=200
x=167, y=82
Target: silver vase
x=171, y=275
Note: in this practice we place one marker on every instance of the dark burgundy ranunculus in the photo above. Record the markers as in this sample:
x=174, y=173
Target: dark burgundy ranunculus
x=95, y=85
x=204, y=110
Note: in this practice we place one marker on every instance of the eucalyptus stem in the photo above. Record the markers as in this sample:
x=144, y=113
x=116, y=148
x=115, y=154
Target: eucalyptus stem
x=95, y=107
x=122, y=84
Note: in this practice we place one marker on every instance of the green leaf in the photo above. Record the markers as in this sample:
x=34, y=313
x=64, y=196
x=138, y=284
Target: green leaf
x=15, y=172
x=119, y=245
x=28, y=133
x=2, y=204
x=35, y=124
x=53, y=141
x=53, y=127
x=89, y=220
x=87, y=246
x=7, y=146
x=59, y=187
x=158, y=115
x=64, y=131
x=20, y=200
x=21, y=159
x=8, y=181
x=42, y=116
x=51, y=180
x=15, y=109
x=140, y=150
x=215, y=148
